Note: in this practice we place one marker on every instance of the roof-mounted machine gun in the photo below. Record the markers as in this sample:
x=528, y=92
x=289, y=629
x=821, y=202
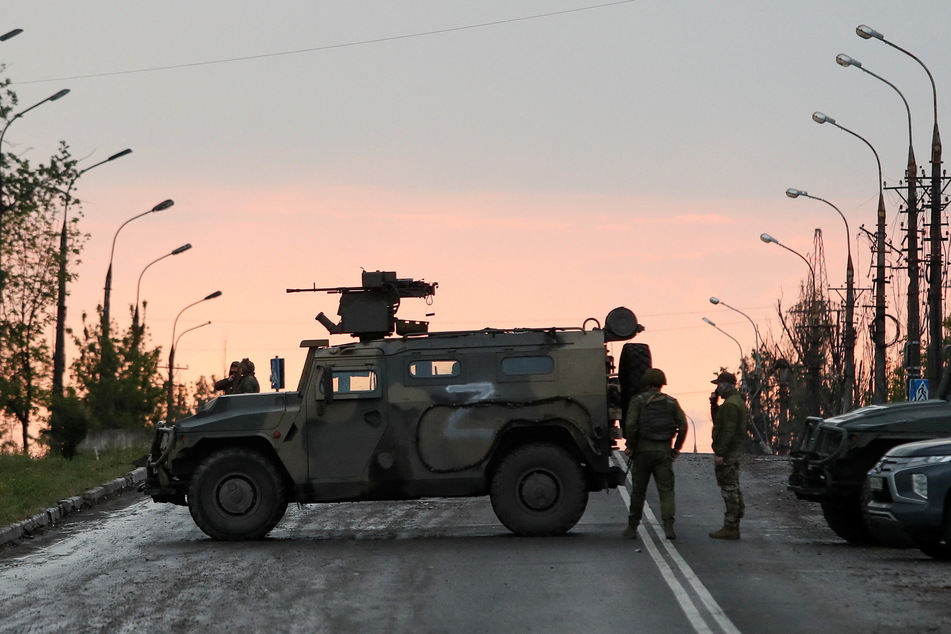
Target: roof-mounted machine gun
x=369, y=311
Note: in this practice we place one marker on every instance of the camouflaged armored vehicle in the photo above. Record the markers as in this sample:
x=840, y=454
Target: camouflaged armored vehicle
x=521, y=415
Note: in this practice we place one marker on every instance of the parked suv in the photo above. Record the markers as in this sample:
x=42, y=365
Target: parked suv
x=908, y=496
x=524, y=416
x=832, y=456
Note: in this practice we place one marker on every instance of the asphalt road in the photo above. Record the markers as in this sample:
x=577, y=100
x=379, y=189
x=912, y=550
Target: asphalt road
x=449, y=566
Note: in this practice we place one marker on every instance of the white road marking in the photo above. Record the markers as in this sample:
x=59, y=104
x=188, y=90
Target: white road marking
x=687, y=603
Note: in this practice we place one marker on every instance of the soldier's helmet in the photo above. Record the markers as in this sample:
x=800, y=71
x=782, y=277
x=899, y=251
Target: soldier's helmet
x=725, y=377
x=654, y=377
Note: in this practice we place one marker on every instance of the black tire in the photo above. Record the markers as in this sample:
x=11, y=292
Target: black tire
x=539, y=489
x=237, y=494
x=939, y=548
x=635, y=360
x=844, y=516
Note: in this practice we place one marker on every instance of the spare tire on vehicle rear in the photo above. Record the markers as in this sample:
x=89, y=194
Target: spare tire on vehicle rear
x=635, y=360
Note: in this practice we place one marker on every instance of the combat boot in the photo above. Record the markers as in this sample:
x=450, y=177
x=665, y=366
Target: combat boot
x=630, y=532
x=727, y=532
x=669, y=530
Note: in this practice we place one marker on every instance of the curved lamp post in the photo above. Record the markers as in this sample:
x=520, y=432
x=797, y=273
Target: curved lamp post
x=3, y=204
x=730, y=336
x=848, y=372
x=170, y=393
x=59, y=350
x=138, y=285
x=811, y=359
x=165, y=204
x=912, y=345
x=878, y=333
x=935, y=284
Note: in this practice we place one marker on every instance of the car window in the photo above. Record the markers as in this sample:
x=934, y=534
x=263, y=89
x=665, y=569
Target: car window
x=435, y=368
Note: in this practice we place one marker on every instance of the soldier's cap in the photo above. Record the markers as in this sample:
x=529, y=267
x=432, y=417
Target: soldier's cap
x=725, y=377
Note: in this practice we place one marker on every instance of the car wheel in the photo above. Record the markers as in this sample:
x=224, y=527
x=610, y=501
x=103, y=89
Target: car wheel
x=539, y=489
x=237, y=494
x=844, y=516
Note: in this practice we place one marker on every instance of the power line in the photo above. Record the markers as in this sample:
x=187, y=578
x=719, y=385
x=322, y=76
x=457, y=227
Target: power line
x=331, y=46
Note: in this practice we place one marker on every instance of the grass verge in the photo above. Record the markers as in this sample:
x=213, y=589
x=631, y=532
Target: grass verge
x=30, y=485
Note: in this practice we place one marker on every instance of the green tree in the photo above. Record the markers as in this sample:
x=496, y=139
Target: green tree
x=69, y=422
x=130, y=395
x=31, y=200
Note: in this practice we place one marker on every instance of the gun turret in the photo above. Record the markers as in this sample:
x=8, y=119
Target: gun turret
x=369, y=311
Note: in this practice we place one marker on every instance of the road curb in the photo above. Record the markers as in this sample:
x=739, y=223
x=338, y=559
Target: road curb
x=16, y=532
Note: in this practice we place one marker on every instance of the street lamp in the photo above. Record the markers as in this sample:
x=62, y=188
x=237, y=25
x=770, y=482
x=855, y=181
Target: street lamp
x=59, y=350
x=138, y=285
x=811, y=356
x=742, y=356
x=848, y=378
x=165, y=204
x=912, y=345
x=6, y=36
x=878, y=334
x=935, y=284
x=3, y=204
x=717, y=300
x=170, y=396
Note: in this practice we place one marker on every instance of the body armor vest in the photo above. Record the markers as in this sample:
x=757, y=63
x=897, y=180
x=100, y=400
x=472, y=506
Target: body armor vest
x=657, y=422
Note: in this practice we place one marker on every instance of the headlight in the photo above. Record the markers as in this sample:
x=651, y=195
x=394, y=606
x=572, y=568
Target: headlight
x=925, y=460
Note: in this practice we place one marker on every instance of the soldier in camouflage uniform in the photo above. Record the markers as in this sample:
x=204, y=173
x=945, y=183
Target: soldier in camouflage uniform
x=653, y=420
x=730, y=420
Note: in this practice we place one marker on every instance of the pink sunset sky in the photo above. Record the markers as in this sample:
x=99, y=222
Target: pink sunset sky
x=544, y=161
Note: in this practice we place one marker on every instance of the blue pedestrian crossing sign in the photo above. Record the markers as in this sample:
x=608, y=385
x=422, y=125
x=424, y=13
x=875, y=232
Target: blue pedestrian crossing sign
x=918, y=390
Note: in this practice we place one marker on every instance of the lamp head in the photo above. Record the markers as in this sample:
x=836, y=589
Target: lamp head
x=714, y=300
x=844, y=60
x=119, y=154
x=165, y=204
x=818, y=117
x=6, y=36
x=866, y=33
x=184, y=247
x=765, y=237
x=214, y=295
x=61, y=93
x=795, y=193
x=709, y=322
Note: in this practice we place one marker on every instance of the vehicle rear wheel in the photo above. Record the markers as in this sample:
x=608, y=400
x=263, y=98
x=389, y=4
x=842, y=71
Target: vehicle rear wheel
x=844, y=516
x=237, y=494
x=539, y=489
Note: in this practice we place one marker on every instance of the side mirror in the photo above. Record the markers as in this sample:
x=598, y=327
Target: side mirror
x=327, y=384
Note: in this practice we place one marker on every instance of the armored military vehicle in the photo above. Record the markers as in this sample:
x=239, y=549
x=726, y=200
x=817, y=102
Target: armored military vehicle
x=833, y=455
x=522, y=415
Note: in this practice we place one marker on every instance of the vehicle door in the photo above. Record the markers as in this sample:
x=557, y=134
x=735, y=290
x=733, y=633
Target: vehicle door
x=344, y=430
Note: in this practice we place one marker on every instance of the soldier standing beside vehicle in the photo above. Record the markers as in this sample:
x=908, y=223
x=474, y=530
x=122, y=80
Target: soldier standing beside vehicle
x=653, y=420
x=730, y=420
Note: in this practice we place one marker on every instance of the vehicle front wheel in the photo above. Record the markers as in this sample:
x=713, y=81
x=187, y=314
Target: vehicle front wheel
x=539, y=489
x=846, y=519
x=237, y=494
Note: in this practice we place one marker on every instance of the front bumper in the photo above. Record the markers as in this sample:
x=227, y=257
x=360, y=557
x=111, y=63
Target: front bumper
x=820, y=446
x=158, y=479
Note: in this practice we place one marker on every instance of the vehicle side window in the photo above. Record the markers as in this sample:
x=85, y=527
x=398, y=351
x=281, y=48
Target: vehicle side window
x=354, y=383
x=528, y=365
x=434, y=368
